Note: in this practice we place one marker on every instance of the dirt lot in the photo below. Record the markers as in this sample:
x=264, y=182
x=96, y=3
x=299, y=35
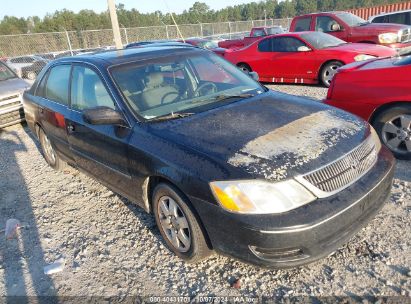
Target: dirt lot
x=112, y=248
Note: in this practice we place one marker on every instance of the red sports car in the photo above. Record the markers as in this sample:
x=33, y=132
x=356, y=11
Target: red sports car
x=206, y=44
x=379, y=91
x=303, y=57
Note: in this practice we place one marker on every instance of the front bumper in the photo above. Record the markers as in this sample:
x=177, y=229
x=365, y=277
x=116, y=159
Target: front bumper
x=399, y=45
x=305, y=234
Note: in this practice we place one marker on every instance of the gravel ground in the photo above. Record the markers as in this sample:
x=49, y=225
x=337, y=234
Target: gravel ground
x=112, y=248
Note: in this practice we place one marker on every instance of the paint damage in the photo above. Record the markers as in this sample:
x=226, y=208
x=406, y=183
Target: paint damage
x=295, y=143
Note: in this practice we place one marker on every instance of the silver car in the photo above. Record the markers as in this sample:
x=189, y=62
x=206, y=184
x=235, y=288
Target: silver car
x=11, y=90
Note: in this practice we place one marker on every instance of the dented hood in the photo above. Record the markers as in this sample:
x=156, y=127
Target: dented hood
x=272, y=136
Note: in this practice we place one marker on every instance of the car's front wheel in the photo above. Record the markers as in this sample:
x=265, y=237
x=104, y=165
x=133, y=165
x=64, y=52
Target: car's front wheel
x=394, y=128
x=49, y=152
x=178, y=225
x=328, y=71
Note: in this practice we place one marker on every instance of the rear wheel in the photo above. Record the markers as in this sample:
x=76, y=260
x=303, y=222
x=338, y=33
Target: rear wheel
x=178, y=225
x=244, y=67
x=328, y=71
x=49, y=152
x=394, y=128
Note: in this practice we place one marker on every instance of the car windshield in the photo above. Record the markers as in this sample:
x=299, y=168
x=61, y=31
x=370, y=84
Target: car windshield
x=320, y=40
x=6, y=73
x=208, y=44
x=274, y=30
x=185, y=83
x=351, y=19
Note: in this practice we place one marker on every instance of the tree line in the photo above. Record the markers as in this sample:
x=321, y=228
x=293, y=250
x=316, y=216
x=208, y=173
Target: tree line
x=199, y=13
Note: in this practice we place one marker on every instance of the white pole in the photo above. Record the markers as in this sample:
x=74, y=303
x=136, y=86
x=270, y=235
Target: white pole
x=69, y=43
x=114, y=24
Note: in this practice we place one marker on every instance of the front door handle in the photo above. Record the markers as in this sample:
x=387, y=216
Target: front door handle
x=70, y=128
x=41, y=110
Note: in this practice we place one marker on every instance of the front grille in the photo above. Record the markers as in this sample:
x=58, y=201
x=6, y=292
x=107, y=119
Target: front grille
x=9, y=102
x=344, y=171
x=11, y=118
x=406, y=35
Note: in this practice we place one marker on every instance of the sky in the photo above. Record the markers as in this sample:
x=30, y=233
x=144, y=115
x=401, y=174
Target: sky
x=25, y=8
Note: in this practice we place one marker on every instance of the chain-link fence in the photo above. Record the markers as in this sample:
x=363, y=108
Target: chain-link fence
x=71, y=41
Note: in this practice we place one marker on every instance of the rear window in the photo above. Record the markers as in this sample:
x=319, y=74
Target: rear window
x=302, y=24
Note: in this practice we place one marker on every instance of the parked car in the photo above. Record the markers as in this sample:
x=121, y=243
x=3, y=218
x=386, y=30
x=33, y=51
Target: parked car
x=400, y=17
x=11, y=90
x=265, y=177
x=304, y=57
x=27, y=66
x=352, y=28
x=149, y=42
x=379, y=91
x=206, y=44
x=255, y=34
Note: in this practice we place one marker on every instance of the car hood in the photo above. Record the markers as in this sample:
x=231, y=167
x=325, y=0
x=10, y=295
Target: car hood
x=381, y=27
x=272, y=136
x=12, y=86
x=365, y=48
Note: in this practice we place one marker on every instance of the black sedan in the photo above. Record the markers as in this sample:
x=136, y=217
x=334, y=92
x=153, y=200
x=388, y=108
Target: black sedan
x=222, y=162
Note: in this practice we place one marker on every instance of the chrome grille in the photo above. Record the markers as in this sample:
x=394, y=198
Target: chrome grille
x=344, y=171
x=405, y=35
x=10, y=102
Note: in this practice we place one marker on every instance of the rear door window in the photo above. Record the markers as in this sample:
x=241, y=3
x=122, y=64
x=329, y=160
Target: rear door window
x=57, y=86
x=302, y=24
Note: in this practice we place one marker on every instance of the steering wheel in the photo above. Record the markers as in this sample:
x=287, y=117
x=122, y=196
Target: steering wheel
x=212, y=86
x=168, y=94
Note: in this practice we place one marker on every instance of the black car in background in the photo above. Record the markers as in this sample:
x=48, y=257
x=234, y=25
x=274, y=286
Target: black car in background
x=222, y=162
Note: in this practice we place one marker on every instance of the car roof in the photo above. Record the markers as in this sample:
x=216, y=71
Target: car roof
x=389, y=13
x=324, y=13
x=115, y=57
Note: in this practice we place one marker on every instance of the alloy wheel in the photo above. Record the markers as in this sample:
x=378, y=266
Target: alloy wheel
x=329, y=73
x=48, y=149
x=396, y=134
x=174, y=224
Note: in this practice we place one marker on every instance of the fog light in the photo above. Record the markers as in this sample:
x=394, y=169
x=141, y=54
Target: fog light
x=279, y=255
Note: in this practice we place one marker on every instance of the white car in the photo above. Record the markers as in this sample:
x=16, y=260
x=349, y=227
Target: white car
x=27, y=66
x=400, y=17
x=11, y=90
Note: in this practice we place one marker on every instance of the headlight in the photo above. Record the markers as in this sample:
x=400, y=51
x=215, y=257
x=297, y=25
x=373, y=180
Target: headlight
x=363, y=57
x=388, y=38
x=260, y=197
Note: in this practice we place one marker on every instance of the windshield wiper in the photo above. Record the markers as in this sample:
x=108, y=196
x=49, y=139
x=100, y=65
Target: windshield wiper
x=224, y=97
x=172, y=115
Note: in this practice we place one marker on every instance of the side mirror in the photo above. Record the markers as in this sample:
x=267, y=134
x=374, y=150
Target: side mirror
x=303, y=49
x=254, y=75
x=103, y=116
x=335, y=27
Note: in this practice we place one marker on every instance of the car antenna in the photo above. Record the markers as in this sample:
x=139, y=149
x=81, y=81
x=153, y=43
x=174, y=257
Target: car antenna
x=174, y=21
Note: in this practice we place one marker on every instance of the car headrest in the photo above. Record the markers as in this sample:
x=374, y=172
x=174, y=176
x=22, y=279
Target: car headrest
x=154, y=80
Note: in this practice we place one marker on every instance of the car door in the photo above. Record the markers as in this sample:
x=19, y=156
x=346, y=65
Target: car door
x=100, y=150
x=52, y=97
x=287, y=63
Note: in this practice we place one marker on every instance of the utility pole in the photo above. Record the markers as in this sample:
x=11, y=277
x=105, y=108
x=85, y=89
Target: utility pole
x=114, y=24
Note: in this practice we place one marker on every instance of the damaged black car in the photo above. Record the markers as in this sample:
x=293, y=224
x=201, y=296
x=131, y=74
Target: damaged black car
x=223, y=163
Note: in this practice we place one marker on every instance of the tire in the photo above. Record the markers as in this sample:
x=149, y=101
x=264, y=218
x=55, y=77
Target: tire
x=393, y=126
x=31, y=75
x=328, y=71
x=49, y=153
x=244, y=67
x=194, y=248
